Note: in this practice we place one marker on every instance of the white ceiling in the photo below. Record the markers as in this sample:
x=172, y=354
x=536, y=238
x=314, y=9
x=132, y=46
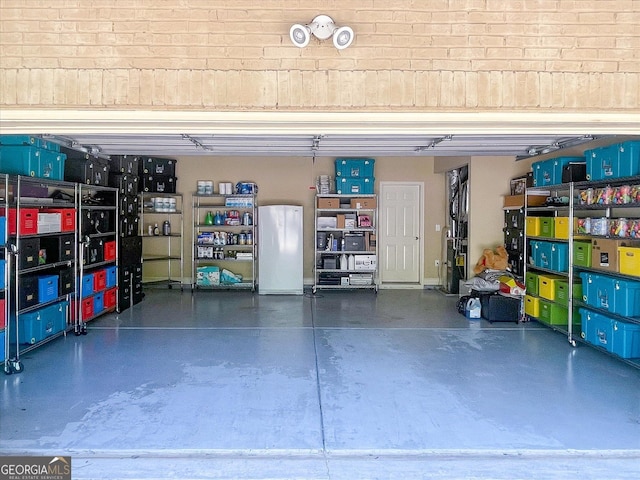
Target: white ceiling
x=307, y=145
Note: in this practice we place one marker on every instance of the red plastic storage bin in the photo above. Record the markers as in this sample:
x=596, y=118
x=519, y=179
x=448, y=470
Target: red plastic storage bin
x=86, y=308
x=28, y=221
x=110, y=298
x=109, y=250
x=99, y=280
x=67, y=220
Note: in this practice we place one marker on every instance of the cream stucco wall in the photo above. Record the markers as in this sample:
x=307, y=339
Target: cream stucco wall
x=289, y=180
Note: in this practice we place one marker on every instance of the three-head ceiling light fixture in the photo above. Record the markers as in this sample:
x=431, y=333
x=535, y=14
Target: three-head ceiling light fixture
x=322, y=27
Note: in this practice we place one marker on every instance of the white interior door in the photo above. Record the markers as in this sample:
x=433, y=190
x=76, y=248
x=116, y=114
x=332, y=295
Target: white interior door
x=400, y=232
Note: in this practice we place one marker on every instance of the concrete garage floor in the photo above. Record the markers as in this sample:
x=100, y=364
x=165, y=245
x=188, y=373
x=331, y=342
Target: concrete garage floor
x=340, y=385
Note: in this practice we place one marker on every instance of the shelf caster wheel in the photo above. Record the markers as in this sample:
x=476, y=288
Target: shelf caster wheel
x=77, y=332
x=84, y=330
x=314, y=290
x=17, y=367
x=573, y=343
x=7, y=369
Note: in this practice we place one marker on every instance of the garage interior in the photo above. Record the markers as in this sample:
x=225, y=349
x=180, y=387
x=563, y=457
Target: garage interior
x=333, y=384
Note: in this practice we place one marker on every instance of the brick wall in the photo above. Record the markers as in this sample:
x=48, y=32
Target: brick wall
x=420, y=55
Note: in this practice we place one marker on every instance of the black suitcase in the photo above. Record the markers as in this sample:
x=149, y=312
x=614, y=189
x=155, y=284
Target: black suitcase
x=80, y=170
x=128, y=205
x=500, y=308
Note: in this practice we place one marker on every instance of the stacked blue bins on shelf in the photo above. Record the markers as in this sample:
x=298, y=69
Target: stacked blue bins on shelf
x=31, y=156
x=615, y=161
x=549, y=172
x=354, y=176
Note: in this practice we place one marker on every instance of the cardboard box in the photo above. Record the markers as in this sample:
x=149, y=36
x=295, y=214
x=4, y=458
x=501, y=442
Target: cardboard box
x=517, y=201
x=604, y=254
x=369, y=202
x=331, y=202
x=340, y=222
x=372, y=242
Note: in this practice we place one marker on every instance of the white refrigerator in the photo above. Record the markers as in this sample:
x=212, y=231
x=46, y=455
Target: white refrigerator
x=280, y=245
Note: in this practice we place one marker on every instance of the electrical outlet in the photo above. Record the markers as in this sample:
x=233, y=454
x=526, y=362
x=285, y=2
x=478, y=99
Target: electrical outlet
x=438, y=228
x=437, y=263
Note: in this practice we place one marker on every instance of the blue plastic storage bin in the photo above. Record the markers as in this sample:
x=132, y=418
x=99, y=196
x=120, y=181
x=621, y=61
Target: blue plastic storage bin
x=32, y=161
x=47, y=288
x=3, y=230
x=626, y=297
x=549, y=172
x=112, y=277
x=2, y=352
x=15, y=140
x=3, y=267
x=98, y=303
x=601, y=162
x=598, y=290
x=542, y=256
x=33, y=326
x=87, y=285
x=628, y=159
x=597, y=329
x=354, y=167
x=559, y=257
x=349, y=185
x=626, y=339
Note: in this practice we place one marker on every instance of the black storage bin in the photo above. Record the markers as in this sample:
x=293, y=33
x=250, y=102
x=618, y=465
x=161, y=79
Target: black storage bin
x=516, y=260
x=574, y=172
x=129, y=226
x=128, y=164
x=330, y=278
x=514, y=239
x=126, y=184
x=79, y=169
x=58, y=248
x=514, y=219
x=101, y=172
x=93, y=251
x=158, y=166
x=500, y=308
x=354, y=242
x=29, y=252
x=158, y=183
x=124, y=297
x=27, y=291
x=136, y=274
x=67, y=284
x=102, y=221
x=130, y=252
x=129, y=205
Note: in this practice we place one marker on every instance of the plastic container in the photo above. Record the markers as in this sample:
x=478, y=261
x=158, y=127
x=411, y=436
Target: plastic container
x=560, y=257
x=600, y=226
x=47, y=288
x=533, y=226
x=626, y=297
x=561, y=227
x=348, y=185
x=583, y=226
x=561, y=295
x=626, y=339
x=547, y=286
x=629, y=260
x=354, y=167
x=547, y=227
x=597, y=329
x=531, y=283
x=532, y=306
x=582, y=254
